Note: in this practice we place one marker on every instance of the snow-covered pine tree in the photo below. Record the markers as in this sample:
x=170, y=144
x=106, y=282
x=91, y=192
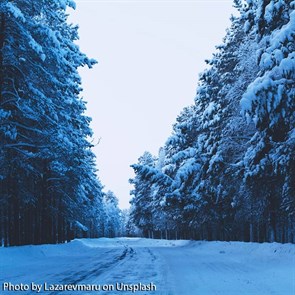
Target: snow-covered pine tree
x=141, y=212
x=270, y=103
x=182, y=165
x=224, y=136
x=47, y=168
x=112, y=220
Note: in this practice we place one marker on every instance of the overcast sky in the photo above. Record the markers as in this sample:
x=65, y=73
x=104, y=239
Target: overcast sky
x=149, y=55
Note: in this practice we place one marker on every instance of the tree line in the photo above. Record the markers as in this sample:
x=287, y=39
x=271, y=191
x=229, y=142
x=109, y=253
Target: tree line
x=227, y=171
x=49, y=190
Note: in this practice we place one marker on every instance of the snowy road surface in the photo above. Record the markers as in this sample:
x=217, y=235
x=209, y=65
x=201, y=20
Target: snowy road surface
x=172, y=267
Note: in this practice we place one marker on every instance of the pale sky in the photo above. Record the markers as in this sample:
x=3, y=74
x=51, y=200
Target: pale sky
x=149, y=55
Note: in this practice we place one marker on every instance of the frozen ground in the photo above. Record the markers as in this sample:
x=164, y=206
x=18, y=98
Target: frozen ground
x=174, y=267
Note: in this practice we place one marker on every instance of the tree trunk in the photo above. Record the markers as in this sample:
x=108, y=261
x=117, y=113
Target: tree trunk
x=2, y=36
x=251, y=232
x=272, y=227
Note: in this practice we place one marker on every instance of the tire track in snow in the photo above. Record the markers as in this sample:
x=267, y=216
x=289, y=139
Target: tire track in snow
x=140, y=266
x=92, y=272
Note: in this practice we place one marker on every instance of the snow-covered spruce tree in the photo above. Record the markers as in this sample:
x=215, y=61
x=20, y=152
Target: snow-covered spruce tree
x=112, y=220
x=141, y=212
x=47, y=169
x=130, y=229
x=224, y=135
x=182, y=166
x=270, y=103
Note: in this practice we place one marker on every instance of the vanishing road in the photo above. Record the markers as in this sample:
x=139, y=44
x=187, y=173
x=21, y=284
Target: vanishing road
x=147, y=267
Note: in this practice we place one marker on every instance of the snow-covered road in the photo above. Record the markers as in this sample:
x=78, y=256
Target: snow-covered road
x=170, y=267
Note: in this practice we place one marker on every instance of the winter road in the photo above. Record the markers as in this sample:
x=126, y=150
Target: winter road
x=172, y=267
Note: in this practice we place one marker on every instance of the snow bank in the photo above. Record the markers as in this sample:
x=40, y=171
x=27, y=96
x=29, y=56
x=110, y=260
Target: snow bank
x=133, y=242
x=236, y=248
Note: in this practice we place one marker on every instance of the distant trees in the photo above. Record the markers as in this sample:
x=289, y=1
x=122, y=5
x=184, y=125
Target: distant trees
x=142, y=214
x=49, y=191
x=227, y=170
x=112, y=219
